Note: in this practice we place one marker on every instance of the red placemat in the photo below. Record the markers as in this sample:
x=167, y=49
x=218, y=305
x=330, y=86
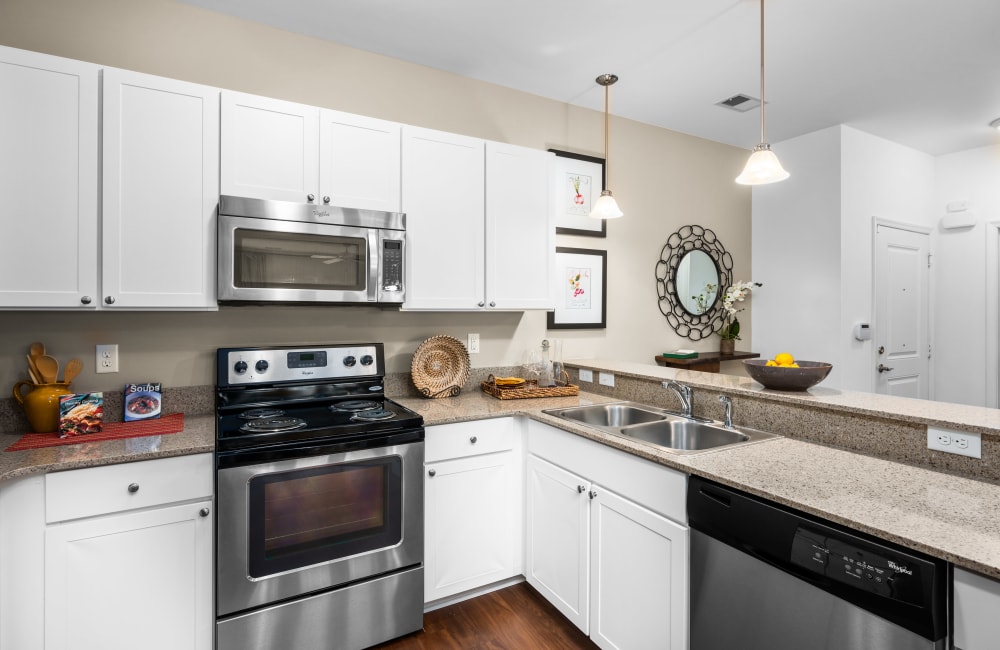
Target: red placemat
x=112, y=431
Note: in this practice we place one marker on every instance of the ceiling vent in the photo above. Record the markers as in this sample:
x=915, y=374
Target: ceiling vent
x=740, y=103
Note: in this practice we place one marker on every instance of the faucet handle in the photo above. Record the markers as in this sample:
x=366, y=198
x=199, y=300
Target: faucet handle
x=728, y=403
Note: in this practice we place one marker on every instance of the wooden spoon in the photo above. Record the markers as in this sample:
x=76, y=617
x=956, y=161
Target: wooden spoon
x=47, y=367
x=36, y=349
x=73, y=368
x=33, y=369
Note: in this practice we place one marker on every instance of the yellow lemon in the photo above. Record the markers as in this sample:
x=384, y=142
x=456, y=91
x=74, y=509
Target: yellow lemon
x=787, y=365
x=783, y=359
x=770, y=362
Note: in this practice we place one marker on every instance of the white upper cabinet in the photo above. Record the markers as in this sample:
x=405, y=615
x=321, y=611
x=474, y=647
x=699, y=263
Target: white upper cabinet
x=520, y=235
x=272, y=149
x=479, y=228
x=269, y=148
x=359, y=161
x=48, y=181
x=161, y=179
x=443, y=190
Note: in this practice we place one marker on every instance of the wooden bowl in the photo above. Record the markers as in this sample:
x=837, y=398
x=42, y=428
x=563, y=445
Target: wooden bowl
x=807, y=375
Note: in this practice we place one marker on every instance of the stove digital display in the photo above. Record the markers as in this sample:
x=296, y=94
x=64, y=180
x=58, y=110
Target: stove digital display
x=315, y=359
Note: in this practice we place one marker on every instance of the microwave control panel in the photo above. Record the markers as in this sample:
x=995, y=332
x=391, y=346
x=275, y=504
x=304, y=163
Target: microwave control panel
x=392, y=265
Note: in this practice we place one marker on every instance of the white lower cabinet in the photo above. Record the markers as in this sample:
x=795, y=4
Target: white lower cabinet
x=473, y=506
x=135, y=575
x=605, y=542
x=976, y=602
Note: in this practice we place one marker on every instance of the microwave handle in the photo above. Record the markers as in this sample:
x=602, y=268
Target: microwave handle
x=374, y=261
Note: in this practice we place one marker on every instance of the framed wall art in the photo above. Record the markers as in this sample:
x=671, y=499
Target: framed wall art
x=580, y=289
x=579, y=182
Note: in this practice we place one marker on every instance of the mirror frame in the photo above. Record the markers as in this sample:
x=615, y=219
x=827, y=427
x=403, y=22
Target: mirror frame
x=686, y=240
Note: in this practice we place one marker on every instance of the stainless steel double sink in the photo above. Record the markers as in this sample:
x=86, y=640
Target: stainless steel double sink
x=661, y=428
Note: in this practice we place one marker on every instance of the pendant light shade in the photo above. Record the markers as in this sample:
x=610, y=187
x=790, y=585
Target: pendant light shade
x=606, y=207
x=763, y=166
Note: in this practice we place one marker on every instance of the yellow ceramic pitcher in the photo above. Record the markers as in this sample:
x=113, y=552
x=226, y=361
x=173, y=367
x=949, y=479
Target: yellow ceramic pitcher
x=41, y=404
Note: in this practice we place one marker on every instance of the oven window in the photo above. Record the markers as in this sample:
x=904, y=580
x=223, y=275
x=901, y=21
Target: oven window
x=279, y=260
x=315, y=515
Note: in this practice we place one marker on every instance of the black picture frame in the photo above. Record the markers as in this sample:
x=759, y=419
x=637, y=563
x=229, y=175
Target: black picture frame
x=572, y=216
x=573, y=311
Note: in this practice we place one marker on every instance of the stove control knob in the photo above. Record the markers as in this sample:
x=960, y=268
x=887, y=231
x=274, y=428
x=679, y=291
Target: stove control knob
x=240, y=367
x=367, y=360
x=349, y=361
x=261, y=365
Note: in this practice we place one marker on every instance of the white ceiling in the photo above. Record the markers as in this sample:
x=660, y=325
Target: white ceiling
x=924, y=73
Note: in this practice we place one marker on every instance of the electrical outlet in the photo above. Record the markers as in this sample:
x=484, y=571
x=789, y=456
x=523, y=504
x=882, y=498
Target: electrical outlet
x=586, y=375
x=106, y=358
x=473, y=343
x=606, y=379
x=955, y=442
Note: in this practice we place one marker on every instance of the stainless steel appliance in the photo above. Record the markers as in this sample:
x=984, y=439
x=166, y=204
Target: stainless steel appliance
x=319, y=501
x=276, y=251
x=766, y=577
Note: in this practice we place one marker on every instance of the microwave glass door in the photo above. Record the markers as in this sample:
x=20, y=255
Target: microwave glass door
x=266, y=259
x=319, y=514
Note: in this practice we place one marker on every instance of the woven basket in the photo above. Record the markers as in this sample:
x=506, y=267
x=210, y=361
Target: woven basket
x=440, y=367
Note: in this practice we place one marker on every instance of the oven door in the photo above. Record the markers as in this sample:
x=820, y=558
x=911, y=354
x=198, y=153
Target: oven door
x=297, y=526
x=292, y=261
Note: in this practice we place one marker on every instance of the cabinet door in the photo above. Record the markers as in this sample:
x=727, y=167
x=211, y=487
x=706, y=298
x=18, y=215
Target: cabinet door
x=638, y=576
x=558, y=539
x=520, y=232
x=270, y=148
x=359, y=160
x=48, y=181
x=161, y=179
x=443, y=185
x=136, y=580
x=472, y=536
x=977, y=601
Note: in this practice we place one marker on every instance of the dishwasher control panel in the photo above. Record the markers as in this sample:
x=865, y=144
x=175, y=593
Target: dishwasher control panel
x=862, y=566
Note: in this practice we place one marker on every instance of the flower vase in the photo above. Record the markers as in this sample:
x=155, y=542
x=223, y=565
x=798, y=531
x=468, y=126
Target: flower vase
x=727, y=346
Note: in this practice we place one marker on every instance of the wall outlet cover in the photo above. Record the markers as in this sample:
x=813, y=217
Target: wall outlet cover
x=606, y=379
x=951, y=441
x=586, y=375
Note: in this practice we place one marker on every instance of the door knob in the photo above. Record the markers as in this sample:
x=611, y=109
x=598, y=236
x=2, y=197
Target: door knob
x=592, y=494
x=581, y=488
x=133, y=487
x=884, y=368
x=85, y=300
x=311, y=197
x=326, y=199
x=473, y=439
x=431, y=472
x=204, y=512
x=110, y=300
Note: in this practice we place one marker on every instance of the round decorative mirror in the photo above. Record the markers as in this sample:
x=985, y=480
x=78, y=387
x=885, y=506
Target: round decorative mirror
x=693, y=269
x=697, y=282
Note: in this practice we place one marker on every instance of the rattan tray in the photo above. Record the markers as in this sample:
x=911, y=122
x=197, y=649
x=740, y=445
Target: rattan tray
x=527, y=390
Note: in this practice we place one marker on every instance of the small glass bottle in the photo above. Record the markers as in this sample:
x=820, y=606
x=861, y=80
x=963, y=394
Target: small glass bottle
x=545, y=377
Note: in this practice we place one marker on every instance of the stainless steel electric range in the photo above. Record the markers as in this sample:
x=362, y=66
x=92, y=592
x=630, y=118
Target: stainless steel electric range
x=319, y=501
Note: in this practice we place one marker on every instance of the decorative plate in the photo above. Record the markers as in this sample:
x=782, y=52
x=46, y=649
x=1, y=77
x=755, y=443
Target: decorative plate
x=440, y=367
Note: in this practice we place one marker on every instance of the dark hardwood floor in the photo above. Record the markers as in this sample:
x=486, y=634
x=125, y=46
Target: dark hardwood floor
x=514, y=618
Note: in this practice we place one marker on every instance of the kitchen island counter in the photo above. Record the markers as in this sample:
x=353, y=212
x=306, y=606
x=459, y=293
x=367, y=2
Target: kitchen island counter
x=948, y=516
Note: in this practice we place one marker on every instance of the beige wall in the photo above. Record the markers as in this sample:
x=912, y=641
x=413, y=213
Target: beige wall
x=662, y=179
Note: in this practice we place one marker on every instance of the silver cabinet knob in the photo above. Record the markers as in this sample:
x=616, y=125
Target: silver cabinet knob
x=473, y=439
x=493, y=303
x=326, y=199
x=592, y=494
x=431, y=472
x=482, y=303
x=133, y=487
x=884, y=368
x=311, y=198
x=581, y=489
x=204, y=512
x=109, y=300
x=86, y=300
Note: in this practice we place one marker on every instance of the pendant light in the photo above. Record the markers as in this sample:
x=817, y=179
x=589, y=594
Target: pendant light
x=763, y=166
x=606, y=207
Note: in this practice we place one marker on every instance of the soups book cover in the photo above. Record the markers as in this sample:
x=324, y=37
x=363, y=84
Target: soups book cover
x=142, y=401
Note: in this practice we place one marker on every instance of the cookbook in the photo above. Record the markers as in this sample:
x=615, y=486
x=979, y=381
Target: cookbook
x=80, y=414
x=142, y=401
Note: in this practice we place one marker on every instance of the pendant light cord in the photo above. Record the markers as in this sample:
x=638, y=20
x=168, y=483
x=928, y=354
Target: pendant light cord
x=763, y=104
x=607, y=160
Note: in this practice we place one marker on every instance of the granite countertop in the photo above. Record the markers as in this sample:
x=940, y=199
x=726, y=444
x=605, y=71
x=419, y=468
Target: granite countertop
x=947, y=516
x=197, y=437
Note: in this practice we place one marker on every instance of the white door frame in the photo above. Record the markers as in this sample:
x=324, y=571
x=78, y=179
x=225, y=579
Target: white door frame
x=992, y=343
x=923, y=230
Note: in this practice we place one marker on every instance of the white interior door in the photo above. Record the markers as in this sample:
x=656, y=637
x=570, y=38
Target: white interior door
x=902, y=312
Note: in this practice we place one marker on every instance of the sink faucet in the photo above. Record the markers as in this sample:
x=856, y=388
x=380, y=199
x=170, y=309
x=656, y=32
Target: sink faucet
x=728, y=403
x=683, y=392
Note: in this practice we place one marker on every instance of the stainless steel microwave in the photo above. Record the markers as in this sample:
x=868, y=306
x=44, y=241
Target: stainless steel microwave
x=277, y=251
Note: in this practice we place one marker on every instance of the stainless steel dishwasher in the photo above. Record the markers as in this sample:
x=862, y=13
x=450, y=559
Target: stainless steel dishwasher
x=767, y=577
